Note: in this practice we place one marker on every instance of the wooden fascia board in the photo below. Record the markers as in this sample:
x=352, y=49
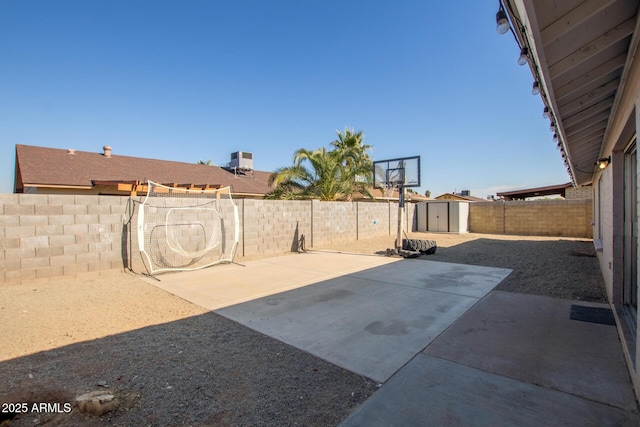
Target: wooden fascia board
x=78, y=187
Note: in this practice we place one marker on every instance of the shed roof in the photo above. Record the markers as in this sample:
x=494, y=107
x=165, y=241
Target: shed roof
x=453, y=196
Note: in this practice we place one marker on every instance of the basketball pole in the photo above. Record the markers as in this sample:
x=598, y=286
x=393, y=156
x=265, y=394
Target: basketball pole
x=400, y=216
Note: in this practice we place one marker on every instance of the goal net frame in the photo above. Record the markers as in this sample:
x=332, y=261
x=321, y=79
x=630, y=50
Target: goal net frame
x=185, y=229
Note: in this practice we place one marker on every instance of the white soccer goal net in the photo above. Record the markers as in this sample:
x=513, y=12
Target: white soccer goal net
x=186, y=229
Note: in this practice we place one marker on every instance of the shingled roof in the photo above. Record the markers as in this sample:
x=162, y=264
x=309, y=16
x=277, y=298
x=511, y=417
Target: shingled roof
x=42, y=167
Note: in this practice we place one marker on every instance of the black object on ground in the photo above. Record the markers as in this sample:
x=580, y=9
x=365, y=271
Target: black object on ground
x=402, y=253
x=603, y=316
x=409, y=254
x=427, y=247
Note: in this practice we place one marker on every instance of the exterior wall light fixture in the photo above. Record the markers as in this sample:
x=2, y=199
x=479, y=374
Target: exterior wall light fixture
x=603, y=163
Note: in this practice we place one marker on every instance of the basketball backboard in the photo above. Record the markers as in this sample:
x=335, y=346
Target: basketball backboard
x=393, y=172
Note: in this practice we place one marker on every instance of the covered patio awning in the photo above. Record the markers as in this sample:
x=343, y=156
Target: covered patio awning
x=581, y=55
x=551, y=190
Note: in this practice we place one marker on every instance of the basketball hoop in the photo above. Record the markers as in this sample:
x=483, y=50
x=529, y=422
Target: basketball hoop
x=388, y=188
x=397, y=173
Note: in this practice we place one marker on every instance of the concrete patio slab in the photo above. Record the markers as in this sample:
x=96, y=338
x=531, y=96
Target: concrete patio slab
x=230, y=284
x=533, y=339
x=371, y=321
x=430, y=391
x=368, y=314
x=461, y=279
x=446, y=352
x=367, y=327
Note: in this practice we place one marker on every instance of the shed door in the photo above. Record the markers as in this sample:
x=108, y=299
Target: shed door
x=439, y=217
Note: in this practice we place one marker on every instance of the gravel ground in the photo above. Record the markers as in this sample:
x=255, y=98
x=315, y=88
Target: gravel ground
x=169, y=362
x=550, y=266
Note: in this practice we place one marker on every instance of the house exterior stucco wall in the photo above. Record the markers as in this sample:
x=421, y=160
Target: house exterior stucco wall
x=603, y=226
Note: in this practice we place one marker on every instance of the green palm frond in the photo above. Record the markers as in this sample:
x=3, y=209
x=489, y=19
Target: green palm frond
x=336, y=174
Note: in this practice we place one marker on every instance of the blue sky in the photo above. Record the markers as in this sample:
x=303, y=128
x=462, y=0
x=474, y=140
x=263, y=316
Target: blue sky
x=198, y=80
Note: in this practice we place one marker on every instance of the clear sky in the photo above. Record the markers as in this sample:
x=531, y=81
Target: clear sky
x=191, y=80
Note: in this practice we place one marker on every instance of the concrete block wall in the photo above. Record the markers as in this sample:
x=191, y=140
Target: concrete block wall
x=273, y=226
x=333, y=222
x=189, y=229
x=373, y=219
x=568, y=218
x=572, y=193
x=486, y=217
x=45, y=236
x=48, y=236
x=410, y=220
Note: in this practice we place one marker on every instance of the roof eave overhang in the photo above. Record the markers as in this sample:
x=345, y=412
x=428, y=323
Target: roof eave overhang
x=64, y=186
x=589, y=126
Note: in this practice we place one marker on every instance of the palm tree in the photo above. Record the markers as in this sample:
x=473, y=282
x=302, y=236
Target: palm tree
x=327, y=177
x=202, y=162
x=354, y=153
x=354, y=150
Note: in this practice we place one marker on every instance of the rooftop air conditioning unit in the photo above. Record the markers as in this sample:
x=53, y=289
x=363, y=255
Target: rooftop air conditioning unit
x=241, y=160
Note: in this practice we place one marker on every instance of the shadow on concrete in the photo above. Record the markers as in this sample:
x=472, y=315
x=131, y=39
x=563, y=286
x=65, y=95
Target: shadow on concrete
x=209, y=370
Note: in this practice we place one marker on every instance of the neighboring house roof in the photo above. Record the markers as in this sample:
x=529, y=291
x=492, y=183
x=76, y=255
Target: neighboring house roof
x=551, y=190
x=53, y=167
x=414, y=197
x=452, y=196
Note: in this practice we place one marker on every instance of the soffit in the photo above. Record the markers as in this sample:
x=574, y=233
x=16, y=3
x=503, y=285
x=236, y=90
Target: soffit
x=580, y=50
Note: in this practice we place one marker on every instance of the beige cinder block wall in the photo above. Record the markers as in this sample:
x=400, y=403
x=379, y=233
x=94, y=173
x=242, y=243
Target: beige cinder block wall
x=48, y=236
x=566, y=218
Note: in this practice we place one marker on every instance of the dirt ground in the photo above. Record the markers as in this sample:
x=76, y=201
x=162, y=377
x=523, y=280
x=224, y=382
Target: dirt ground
x=169, y=362
x=550, y=266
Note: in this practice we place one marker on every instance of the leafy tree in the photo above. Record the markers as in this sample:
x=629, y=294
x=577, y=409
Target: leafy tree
x=202, y=162
x=427, y=193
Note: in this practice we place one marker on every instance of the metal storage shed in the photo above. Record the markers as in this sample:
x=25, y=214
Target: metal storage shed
x=450, y=216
